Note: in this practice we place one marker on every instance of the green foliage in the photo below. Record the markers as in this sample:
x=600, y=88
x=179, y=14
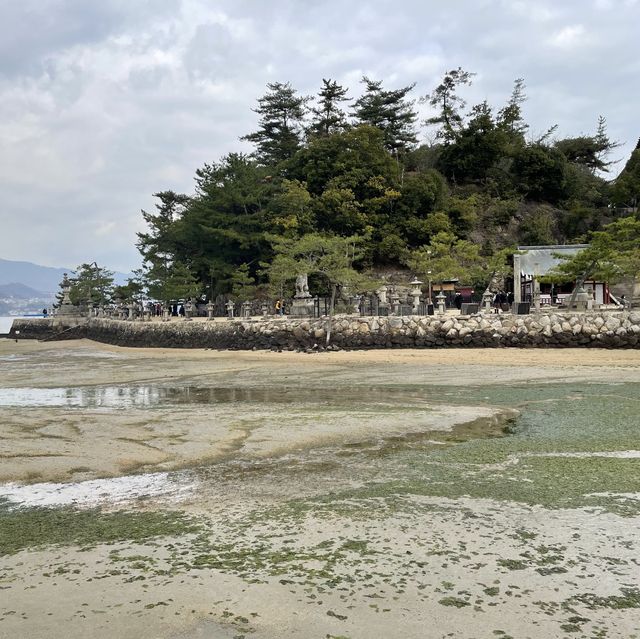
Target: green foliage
x=540, y=173
x=159, y=243
x=446, y=257
x=589, y=151
x=448, y=102
x=225, y=223
x=613, y=254
x=328, y=116
x=350, y=159
x=626, y=188
x=390, y=111
x=510, y=117
x=333, y=257
x=537, y=228
x=279, y=133
x=292, y=208
x=134, y=288
x=92, y=285
x=480, y=182
x=243, y=286
x=422, y=192
x=171, y=282
x=479, y=146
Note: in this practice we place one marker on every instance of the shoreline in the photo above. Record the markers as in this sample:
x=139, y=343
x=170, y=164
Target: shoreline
x=593, y=329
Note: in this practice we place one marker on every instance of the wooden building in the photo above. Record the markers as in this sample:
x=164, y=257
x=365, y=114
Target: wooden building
x=536, y=261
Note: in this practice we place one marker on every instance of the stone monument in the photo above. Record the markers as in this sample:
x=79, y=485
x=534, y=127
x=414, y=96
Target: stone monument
x=66, y=307
x=302, y=304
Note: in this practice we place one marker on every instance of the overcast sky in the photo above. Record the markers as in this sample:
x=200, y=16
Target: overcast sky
x=104, y=102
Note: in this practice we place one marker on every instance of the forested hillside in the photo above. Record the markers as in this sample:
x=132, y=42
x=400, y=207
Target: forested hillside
x=342, y=165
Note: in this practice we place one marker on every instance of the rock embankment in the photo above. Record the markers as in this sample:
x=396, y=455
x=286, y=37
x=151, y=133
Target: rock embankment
x=600, y=329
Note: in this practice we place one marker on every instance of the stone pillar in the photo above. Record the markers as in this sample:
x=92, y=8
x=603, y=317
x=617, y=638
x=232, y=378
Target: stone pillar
x=517, y=279
x=440, y=298
x=536, y=294
x=383, y=303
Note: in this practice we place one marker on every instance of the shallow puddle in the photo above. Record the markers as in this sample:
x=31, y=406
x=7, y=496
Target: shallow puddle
x=151, y=395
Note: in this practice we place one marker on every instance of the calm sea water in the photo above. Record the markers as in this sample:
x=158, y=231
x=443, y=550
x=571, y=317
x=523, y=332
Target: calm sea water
x=5, y=322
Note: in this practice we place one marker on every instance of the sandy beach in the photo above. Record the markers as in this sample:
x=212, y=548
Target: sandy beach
x=345, y=494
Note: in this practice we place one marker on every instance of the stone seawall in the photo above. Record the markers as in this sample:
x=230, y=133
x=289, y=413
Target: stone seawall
x=593, y=329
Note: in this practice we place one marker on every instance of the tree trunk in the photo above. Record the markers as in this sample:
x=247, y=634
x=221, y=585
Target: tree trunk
x=580, y=283
x=334, y=288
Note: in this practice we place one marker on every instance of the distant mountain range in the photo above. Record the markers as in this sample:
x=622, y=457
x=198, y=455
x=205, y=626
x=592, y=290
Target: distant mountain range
x=21, y=292
x=44, y=280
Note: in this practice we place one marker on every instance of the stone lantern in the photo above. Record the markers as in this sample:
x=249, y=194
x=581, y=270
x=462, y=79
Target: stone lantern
x=246, y=309
x=416, y=292
x=66, y=307
x=487, y=299
x=264, y=309
x=230, y=306
x=210, y=309
x=395, y=302
x=440, y=299
x=66, y=289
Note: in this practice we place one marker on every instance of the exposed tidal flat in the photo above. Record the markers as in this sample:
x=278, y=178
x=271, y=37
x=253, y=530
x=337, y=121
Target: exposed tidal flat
x=169, y=493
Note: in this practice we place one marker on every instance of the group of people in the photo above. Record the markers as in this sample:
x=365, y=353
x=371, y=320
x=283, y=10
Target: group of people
x=502, y=301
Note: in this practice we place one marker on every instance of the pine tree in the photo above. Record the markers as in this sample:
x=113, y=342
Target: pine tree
x=445, y=98
x=389, y=111
x=510, y=116
x=91, y=285
x=329, y=117
x=280, y=126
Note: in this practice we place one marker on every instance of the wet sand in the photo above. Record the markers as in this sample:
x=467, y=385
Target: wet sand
x=282, y=556
x=102, y=421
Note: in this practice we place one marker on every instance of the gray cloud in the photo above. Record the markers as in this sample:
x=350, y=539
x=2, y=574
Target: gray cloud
x=103, y=103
